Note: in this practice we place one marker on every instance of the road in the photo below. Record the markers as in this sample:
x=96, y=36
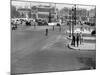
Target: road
x=32, y=51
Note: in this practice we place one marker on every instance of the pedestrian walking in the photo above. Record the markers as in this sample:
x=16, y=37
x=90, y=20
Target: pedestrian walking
x=73, y=40
x=46, y=32
x=77, y=39
x=53, y=27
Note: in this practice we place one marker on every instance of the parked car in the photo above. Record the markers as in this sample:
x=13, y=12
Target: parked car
x=93, y=32
x=90, y=24
x=28, y=23
x=14, y=26
x=41, y=22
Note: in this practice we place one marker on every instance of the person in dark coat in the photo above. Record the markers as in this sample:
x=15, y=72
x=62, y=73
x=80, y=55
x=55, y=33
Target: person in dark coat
x=74, y=40
x=77, y=39
x=46, y=32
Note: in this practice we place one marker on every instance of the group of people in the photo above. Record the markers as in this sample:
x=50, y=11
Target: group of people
x=76, y=39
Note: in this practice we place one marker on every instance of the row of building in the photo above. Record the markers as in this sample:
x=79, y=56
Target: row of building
x=45, y=12
x=36, y=12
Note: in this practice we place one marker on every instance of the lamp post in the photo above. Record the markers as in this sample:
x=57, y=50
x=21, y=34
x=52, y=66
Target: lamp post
x=73, y=19
x=73, y=22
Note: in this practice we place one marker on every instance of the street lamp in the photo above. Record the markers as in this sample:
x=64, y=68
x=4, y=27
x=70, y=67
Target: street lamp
x=73, y=22
x=73, y=18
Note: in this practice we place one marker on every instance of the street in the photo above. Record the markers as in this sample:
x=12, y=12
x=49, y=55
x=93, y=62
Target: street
x=32, y=51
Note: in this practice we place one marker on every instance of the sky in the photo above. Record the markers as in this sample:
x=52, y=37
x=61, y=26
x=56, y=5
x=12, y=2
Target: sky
x=59, y=6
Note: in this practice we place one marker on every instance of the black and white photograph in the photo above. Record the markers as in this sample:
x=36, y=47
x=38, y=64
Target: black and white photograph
x=52, y=37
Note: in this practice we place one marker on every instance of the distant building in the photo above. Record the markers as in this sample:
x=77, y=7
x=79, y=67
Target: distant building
x=39, y=11
x=42, y=11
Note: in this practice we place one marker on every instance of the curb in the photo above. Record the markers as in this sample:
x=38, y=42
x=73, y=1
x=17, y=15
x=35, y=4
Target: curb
x=69, y=46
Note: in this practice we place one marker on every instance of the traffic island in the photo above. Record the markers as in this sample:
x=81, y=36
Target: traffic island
x=83, y=46
x=84, y=38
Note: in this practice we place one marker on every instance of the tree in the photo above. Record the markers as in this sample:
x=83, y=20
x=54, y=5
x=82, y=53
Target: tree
x=29, y=14
x=14, y=12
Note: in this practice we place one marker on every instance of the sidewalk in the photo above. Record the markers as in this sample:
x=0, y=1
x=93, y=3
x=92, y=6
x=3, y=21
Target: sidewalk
x=78, y=30
x=83, y=46
x=89, y=38
x=84, y=38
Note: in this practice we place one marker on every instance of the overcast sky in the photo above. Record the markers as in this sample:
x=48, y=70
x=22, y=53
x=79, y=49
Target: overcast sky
x=59, y=6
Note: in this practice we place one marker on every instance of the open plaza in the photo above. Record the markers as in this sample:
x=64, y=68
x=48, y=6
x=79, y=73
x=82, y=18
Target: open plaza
x=42, y=38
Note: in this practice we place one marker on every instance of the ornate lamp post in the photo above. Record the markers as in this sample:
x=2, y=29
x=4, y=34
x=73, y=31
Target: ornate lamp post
x=73, y=18
x=73, y=22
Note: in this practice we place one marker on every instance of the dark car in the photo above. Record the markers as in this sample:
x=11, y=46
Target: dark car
x=44, y=22
x=41, y=22
x=90, y=24
x=58, y=24
x=93, y=32
x=14, y=26
x=28, y=23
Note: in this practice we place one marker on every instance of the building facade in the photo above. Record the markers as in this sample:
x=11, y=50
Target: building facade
x=42, y=12
x=37, y=12
x=24, y=12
